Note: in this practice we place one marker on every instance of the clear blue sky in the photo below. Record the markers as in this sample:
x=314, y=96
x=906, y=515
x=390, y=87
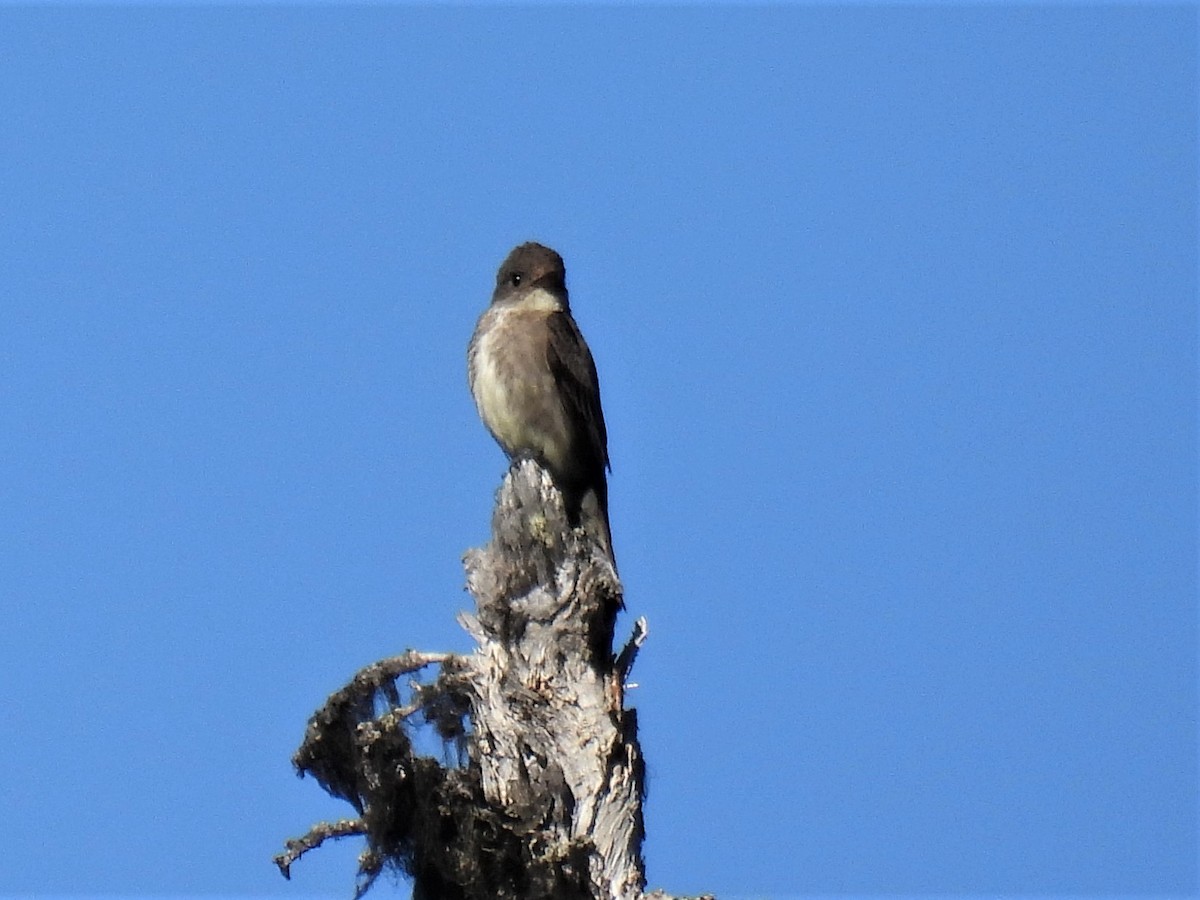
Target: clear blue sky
x=895, y=312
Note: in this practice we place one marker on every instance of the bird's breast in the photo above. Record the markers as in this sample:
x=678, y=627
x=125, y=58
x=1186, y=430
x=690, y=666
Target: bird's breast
x=493, y=378
x=513, y=387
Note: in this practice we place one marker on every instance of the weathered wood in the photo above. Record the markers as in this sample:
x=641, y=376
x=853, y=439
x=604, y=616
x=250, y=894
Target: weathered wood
x=545, y=801
x=553, y=739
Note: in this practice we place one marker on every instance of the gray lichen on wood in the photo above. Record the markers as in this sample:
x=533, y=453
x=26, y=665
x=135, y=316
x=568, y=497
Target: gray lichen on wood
x=546, y=799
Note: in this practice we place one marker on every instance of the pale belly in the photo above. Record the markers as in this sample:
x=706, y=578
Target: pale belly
x=517, y=396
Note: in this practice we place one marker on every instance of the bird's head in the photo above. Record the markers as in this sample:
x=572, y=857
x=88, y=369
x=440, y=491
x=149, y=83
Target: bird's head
x=532, y=272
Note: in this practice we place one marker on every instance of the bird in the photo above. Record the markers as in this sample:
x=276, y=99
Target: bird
x=534, y=381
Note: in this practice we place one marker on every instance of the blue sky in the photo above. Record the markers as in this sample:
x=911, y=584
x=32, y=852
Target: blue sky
x=895, y=315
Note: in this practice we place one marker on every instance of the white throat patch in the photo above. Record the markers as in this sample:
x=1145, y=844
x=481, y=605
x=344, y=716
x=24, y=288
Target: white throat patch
x=541, y=300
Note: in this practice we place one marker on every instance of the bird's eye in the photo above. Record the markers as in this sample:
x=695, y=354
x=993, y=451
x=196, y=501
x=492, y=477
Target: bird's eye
x=515, y=279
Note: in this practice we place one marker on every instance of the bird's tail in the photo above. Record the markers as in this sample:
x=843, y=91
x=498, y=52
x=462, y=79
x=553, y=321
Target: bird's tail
x=590, y=510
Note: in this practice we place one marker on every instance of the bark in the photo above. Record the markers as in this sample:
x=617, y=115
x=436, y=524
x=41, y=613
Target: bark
x=539, y=793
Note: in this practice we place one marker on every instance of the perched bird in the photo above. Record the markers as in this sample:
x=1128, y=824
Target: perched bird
x=534, y=381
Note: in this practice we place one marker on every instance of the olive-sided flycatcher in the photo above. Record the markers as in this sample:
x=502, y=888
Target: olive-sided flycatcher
x=534, y=380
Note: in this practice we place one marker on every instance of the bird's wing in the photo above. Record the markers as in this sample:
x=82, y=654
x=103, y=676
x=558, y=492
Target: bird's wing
x=575, y=372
